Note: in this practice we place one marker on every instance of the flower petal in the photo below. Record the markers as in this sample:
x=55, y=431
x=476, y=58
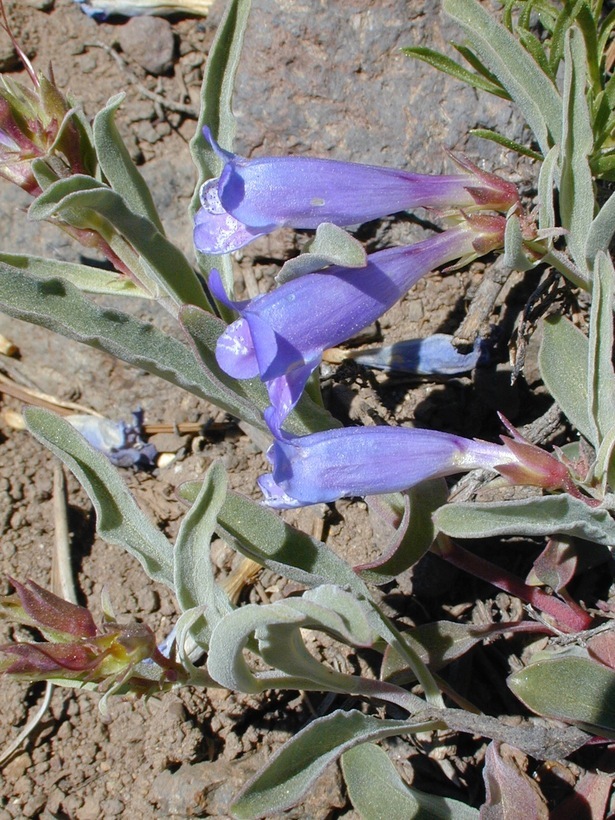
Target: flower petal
x=215, y=230
x=360, y=461
x=235, y=351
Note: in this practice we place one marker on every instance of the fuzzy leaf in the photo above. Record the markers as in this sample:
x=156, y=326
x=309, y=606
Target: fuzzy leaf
x=545, y=515
x=118, y=519
x=510, y=792
x=515, y=257
x=86, y=204
x=59, y=306
x=216, y=112
x=293, y=770
x=571, y=688
x=330, y=246
x=576, y=200
x=600, y=360
x=85, y=277
x=217, y=93
x=118, y=167
x=374, y=783
x=546, y=183
x=601, y=231
x=414, y=536
x=278, y=629
x=563, y=358
x=192, y=568
x=259, y=533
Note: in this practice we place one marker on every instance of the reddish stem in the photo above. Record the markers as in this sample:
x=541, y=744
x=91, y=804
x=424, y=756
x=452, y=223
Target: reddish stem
x=567, y=617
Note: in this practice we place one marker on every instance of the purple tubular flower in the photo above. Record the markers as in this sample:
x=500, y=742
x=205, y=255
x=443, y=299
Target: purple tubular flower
x=435, y=355
x=252, y=197
x=281, y=335
x=359, y=461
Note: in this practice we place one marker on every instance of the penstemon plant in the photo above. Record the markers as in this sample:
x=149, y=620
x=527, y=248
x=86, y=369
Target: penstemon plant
x=256, y=360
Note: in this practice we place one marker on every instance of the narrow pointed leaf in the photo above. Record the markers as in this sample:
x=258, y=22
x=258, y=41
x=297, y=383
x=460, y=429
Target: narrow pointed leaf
x=600, y=360
x=563, y=358
x=528, y=86
x=59, y=306
x=546, y=185
x=193, y=574
x=85, y=277
x=217, y=93
x=83, y=203
x=601, y=231
x=119, y=169
x=216, y=112
x=118, y=518
x=546, y=515
x=576, y=200
x=259, y=533
x=293, y=770
x=512, y=145
x=443, y=63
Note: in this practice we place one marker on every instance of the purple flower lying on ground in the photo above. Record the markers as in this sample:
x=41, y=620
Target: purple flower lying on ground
x=435, y=355
x=359, y=461
x=252, y=197
x=281, y=335
x=122, y=443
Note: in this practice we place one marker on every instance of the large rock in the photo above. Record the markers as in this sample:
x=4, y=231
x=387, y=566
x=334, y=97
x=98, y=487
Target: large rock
x=330, y=79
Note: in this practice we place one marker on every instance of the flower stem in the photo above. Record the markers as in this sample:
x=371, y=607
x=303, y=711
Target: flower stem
x=568, y=617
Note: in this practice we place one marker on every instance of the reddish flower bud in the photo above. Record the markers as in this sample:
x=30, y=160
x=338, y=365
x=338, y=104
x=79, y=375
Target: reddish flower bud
x=76, y=648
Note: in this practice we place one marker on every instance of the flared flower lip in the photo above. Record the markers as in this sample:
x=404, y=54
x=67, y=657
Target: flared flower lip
x=281, y=336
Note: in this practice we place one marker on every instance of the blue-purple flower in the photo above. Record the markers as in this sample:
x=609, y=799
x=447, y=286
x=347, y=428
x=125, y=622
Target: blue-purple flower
x=436, y=355
x=281, y=335
x=122, y=443
x=360, y=461
x=252, y=197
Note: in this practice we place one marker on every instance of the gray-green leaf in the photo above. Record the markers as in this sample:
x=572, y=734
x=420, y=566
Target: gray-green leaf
x=375, y=786
x=535, y=516
x=118, y=518
x=572, y=688
x=292, y=770
x=563, y=358
x=193, y=575
x=529, y=87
